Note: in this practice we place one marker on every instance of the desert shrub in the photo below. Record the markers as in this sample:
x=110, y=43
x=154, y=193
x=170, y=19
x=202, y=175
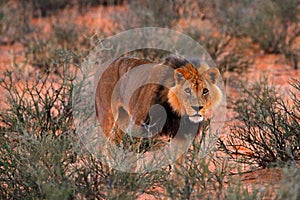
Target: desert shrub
x=288, y=10
x=71, y=36
x=66, y=35
x=235, y=15
x=272, y=24
x=267, y=127
x=145, y=13
x=243, y=15
x=188, y=9
x=238, y=190
x=289, y=186
x=36, y=129
x=227, y=53
x=96, y=181
x=195, y=179
x=41, y=52
x=41, y=8
x=44, y=8
x=208, y=177
x=83, y=3
x=198, y=174
x=14, y=21
x=161, y=13
x=289, y=46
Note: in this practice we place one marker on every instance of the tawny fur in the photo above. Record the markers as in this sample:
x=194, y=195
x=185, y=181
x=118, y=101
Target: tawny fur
x=176, y=74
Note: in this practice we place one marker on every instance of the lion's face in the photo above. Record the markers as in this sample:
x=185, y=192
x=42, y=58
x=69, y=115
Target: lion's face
x=195, y=91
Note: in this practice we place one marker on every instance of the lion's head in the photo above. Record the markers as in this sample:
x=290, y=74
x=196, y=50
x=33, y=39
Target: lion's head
x=195, y=91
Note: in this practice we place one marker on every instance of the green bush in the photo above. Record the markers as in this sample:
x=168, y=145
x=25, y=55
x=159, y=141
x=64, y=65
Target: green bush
x=289, y=186
x=266, y=127
x=96, y=181
x=66, y=34
x=84, y=3
x=197, y=178
x=235, y=15
x=271, y=24
x=160, y=14
x=43, y=8
x=41, y=52
x=15, y=21
x=36, y=129
x=229, y=55
x=145, y=13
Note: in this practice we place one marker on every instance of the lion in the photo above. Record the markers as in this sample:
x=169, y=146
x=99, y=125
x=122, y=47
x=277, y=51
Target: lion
x=178, y=93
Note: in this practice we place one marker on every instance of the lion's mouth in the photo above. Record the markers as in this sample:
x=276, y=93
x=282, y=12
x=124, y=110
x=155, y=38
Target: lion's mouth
x=196, y=118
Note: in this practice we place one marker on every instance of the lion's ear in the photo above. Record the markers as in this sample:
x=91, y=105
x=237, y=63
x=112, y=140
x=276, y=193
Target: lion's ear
x=178, y=75
x=212, y=74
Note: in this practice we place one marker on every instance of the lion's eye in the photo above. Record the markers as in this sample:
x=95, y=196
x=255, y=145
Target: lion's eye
x=187, y=90
x=205, y=91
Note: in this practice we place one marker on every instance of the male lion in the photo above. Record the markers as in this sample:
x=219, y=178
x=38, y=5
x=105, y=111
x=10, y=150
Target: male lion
x=180, y=89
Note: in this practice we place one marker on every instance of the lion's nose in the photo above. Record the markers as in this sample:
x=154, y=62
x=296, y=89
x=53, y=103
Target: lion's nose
x=197, y=108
